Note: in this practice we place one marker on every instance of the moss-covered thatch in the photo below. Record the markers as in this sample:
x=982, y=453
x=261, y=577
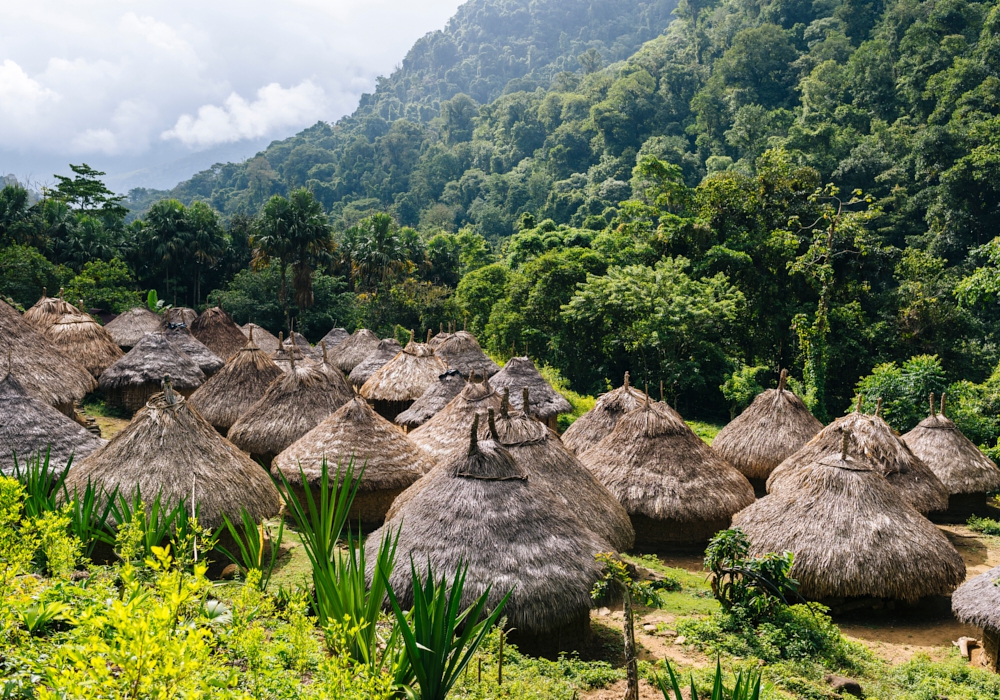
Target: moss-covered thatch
x=39, y=366
x=977, y=602
x=169, y=449
x=294, y=403
x=448, y=431
x=47, y=310
x=397, y=384
x=218, y=332
x=391, y=462
x=352, y=351
x=769, y=431
x=597, y=423
x=481, y=509
x=852, y=536
x=875, y=439
x=130, y=381
x=461, y=351
x=128, y=328
x=237, y=386
x=262, y=337
x=546, y=402
x=438, y=395
x=335, y=337
x=379, y=357
x=674, y=487
x=80, y=337
x=29, y=427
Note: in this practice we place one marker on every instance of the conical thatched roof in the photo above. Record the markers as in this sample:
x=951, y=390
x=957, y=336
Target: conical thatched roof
x=657, y=467
x=336, y=377
x=448, y=431
x=28, y=427
x=39, y=366
x=180, y=335
x=302, y=343
x=461, y=351
x=770, y=430
x=283, y=356
x=171, y=450
x=438, y=395
x=87, y=342
x=379, y=357
x=47, y=310
x=335, y=337
x=128, y=328
x=481, y=509
x=294, y=403
x=436, y=340
x=218, y=332
x=130, y=381
x=977, y=601
x=520, y=372
x=875, y=439
x=352, y=351
x=958, y=463
x=851, y=534
x=180, y=315
x=235, y=387
x=406, y=376
x=597, y=423
x=261, y=336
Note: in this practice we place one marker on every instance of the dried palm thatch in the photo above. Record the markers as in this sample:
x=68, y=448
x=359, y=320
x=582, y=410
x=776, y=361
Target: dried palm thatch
x=336, y=377
x=352, y=351
x=597, y=423
x=436, y=340
x=128, y=328
x=977, y=602
x=379, y=357
x=47, y=310
x=448, y=431
x=852, y=536
x=130, y=381
x=770, y=430
x=83, y=339
x=874, y=438
x=546, y=402
x=298, y=340
x=438, y=395
x=294, y=403
x=674, y=487
x=180, y=315
x=396, y=385
x=218, y=332
x=391, y=462
x=283, y=356
x=28, y=427
x=335, y=337
x=262, y=337
x=234, y=388
x=180, y=335
x=481, y=509
x=40, y=367
x=461, y=351
x=169, y=449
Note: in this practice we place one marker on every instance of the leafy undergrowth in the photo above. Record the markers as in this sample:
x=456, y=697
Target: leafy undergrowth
x=987, y=526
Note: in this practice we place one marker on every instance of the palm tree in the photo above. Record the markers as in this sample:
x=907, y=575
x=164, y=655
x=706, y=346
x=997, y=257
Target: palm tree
x=376, y=251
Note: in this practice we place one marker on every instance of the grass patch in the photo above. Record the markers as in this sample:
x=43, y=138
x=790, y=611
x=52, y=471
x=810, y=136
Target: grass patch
x=706, y=431
x=693, y=596
x=94, y=405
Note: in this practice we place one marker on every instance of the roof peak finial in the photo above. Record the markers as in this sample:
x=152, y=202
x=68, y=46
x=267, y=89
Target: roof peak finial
x=857, y=407
x=474, y=438
x=525, y=401
x=943, y=394
x=661, y=391
x=428, y=335
x=931, y=414
x=505, y=402
x=878, y=407
x=322, y=344
x=782, y=379
x=625, y=383
x=845, y=438
x=493, y=424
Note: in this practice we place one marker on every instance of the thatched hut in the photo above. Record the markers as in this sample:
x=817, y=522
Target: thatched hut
x=261, y=336
x=386, y=349
x=770, y=430
x=352, y=351
x=461, y=351
x=441, y=336
x=438, y=395
x=85, y=341
x=335, y=337
x=128, y=328
x=597, y=423
x=482, y=510
x=47, y=310
x=852, y=535
x=977, y=602
x=286, y=352
x=40, y=367
x=677, y=491
x=447, y=431
x=294, y=403
x=179, y=333
x=391, y=462
x=170, y=450
x=233, y=389
x=546, y=402
x=397, y=384
x=130, y=381
x=967, y=474
x=180, y=315
x=877, y=440
x=29, y=427
x=302, y=343
x=218, y=332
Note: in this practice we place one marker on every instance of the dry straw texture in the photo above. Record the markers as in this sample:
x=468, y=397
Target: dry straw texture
x=461, y=351
x=880, y=444
x=302, y=343
x=130, y=381
x=335, y=337
x=769, y=431
x=39, y=366
x=261, y=337
x=436, y=340
x=520, y=372
x=83, y=339
x=406, y=376
x=379, y=357
x=977, y=601
x=597, y=423
x=170, y=450
x=236, y=387
x=128, y=328
x=851, y=534
x=285, y=353
x=448, y=431
x=431, y=402
x=208, y=361
x=218, y=332
x=47, y=310
x=352, y=351
x=181, y=314
x=28, y=426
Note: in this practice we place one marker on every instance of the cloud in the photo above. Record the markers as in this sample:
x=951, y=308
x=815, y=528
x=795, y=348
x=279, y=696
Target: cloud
x=20, y=95
x=275, y=108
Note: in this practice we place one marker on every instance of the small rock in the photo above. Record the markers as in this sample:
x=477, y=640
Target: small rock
x=229, y=572
x=844, y=685
x=79, y=575
x=680, y=640
x=669, y=633
x=604, y=612
x=648, y=628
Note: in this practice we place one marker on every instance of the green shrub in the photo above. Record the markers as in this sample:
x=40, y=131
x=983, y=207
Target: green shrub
x=105, y=285
x=987, y=526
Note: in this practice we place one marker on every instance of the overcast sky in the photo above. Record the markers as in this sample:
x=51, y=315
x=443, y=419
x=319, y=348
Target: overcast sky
x=153, y=90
